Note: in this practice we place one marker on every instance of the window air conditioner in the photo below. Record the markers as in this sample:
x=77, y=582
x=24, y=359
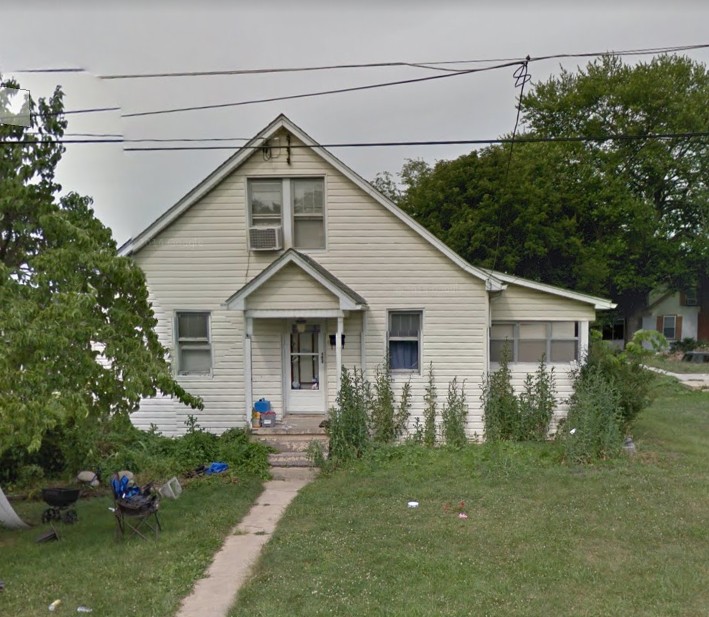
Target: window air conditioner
x=265, y=238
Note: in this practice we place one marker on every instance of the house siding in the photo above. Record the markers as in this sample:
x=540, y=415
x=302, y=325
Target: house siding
x=671, y=306
x=202, y=258
x=517, y=303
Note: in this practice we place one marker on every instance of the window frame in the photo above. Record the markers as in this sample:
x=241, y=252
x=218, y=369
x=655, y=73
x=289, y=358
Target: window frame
x=192, y=343
x=674, y=327
x=548, y=340
x=288, y=216
x=418, y=339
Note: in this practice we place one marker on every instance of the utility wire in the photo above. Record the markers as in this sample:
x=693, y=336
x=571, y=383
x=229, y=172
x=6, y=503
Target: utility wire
x=383, y=144
x=427, y=64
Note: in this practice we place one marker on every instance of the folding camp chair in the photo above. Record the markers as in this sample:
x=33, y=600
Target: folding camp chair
x=135, y=509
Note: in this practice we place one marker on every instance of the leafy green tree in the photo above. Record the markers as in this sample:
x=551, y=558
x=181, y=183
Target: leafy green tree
x=77, y=328
x=609, y=217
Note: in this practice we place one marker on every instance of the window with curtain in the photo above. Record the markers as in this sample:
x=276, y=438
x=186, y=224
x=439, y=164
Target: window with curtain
x=405, y=340
x=194, y=349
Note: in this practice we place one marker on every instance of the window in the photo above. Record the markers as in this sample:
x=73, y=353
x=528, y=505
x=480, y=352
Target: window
x=691, y=297
x=405, y=340
x=308, y=220
x=194, y=350
x=295, y=204
x=266, y=202
x=557, y=341
x=669, y=326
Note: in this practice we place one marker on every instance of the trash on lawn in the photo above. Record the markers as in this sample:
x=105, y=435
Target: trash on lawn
x=47, y=536
x=462, y=515
x=54, y=605
x=413, y=504
x=171, y=489
x=215, y=468
x=572, y=431
x=2, y=585
x=629, y=446
x=84, y=609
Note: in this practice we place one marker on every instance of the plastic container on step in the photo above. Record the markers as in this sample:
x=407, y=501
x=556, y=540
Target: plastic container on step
x=268, y=419
x=262, y=406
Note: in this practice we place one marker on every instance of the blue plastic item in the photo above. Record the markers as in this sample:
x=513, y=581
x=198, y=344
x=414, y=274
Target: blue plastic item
x=262, y=405
x=215, y=468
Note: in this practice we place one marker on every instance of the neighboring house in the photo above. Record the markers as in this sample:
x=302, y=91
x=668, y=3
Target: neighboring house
x=677, y=314
x=284, y=265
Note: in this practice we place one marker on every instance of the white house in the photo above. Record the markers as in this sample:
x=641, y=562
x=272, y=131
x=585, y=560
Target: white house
x=284, y=265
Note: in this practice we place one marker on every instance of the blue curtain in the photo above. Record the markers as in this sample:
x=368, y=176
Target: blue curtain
x=404, y=355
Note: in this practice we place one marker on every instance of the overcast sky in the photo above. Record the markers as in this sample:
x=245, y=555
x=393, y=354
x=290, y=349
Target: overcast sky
x=131, y=189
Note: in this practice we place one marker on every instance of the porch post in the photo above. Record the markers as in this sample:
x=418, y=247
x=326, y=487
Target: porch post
x=248, y=385
x=338, y=349
x=583, y=341
x=363, y=345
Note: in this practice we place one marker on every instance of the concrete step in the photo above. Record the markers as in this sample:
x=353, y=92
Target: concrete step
x=291, y=443
x=289, y=459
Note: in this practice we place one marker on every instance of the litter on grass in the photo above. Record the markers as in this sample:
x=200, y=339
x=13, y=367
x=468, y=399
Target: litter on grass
x=413, y=504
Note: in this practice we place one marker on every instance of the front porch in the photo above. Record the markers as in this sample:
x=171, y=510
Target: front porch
x=301, y=325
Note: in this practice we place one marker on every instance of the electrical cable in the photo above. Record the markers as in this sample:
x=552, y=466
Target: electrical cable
x=384, y=144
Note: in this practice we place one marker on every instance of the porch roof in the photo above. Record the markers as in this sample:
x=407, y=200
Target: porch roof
x=349, y=299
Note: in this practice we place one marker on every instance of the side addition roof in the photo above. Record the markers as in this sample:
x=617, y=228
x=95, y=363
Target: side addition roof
x=598, y=303
x=282, y=122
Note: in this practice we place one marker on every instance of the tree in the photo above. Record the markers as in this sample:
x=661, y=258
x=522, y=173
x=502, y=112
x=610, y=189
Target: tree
x=77, y=328
x=609, y=217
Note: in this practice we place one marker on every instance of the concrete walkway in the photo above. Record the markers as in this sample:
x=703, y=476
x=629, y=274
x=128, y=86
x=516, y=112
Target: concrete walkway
x=695, y=381
x=214, y=595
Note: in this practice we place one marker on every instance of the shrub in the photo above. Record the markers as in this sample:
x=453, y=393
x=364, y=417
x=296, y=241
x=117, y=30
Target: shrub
x=454, y=415
x=536, y=404
x=387, y=420
x=686, y=344
x=592, y=428
x=430, y=410
x=347, y=427
x=625, y=372
x=500, y=405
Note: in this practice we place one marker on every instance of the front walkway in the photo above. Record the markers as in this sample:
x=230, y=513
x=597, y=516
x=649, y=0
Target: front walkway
x=214, y=594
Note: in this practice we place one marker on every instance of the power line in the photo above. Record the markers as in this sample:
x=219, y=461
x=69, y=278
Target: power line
x=383, y=144
x=318, y=93
x=435, y=64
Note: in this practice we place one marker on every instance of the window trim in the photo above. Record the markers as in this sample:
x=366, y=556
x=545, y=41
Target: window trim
x=514, y=347
x=287, y=219
x=418, y=339
x=193, y=343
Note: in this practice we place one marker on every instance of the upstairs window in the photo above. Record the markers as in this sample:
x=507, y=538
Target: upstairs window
x=556, y=341
x=265, y=202
x=308, y=217
x=194, y=349
x=296, y=205
x=405, y=340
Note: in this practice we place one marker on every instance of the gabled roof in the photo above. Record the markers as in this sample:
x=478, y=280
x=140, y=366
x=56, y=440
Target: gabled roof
x=282, y=122
x=598, y=303
x=349, y=299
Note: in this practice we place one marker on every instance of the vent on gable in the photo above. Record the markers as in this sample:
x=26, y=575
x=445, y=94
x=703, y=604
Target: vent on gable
x=265, y=238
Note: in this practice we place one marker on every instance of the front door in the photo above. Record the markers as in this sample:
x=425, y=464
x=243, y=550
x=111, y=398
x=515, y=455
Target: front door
x=305, y=365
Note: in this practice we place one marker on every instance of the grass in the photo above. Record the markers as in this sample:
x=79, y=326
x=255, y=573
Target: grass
x=117, y=578
x=677, y=366
x=625, y=537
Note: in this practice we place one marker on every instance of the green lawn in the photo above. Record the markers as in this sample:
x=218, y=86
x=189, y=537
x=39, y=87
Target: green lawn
x=133, y=577
x=626, y=538
x=677, y=366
